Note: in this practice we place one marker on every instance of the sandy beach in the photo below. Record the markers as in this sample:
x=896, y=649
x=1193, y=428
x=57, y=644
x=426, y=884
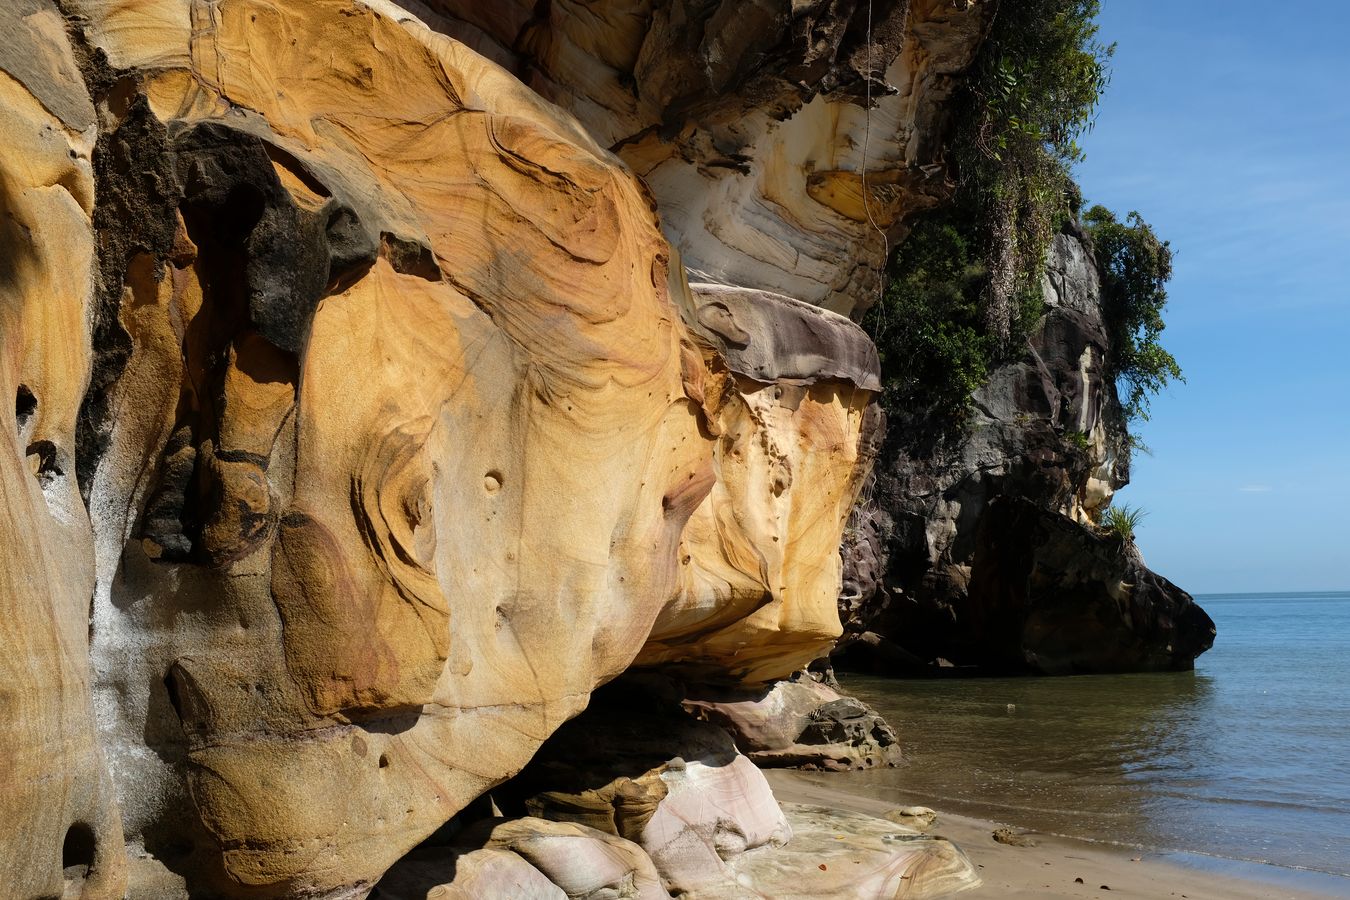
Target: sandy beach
x=1064, y=867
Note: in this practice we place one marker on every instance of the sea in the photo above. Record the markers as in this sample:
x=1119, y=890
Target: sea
x=1245, y=759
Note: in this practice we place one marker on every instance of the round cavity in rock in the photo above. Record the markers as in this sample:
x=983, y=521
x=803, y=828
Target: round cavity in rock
x=25, y=404
x=384, y=760
x=492, y=482
x=77, y=851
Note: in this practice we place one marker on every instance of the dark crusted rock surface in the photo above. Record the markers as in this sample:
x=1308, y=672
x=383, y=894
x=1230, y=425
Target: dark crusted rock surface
x=1051, y=596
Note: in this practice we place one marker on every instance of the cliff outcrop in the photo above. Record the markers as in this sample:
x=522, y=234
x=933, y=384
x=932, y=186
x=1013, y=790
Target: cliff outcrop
x=749, y=121
x=980, y=552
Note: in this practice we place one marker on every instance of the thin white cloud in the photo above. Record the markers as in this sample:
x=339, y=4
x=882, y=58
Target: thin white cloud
x=1255, y=489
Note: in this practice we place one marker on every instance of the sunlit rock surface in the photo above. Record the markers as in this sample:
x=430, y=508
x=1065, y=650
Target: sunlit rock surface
x=526, y=859
x=748, y=120
x=413, y=439
x=58, y=811
x=787, y=397
x=366, y=421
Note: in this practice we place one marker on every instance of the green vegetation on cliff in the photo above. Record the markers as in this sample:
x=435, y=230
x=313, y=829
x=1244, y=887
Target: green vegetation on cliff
x=1135, y=266
x=930, y=328
x=965, y=287
x=1033, y=90
x=1122, y=521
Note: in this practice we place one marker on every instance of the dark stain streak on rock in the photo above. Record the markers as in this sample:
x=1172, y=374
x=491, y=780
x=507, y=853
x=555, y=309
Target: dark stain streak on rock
x=137, y=194
x=292, y=258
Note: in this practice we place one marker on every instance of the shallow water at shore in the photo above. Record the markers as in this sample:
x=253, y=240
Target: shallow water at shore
x=1247, y=758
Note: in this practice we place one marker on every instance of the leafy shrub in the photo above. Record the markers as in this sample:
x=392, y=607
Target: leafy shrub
x=1135, y=267
x=929, y=330
x=1078, y=439
x=1032, y=92
x=1037, y=80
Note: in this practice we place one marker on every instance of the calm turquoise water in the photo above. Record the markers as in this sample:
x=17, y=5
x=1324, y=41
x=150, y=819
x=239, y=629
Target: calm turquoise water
x=1246, y=758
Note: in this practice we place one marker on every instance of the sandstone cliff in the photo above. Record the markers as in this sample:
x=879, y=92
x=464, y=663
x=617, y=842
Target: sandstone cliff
x=390, y=377
x=366, y=420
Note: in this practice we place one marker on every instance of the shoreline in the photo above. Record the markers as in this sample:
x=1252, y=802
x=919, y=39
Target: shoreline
x=1049, y=869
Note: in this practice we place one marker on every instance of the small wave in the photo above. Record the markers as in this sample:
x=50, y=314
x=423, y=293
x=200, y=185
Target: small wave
x=980, y=804
x=1334, y=809
x=1176, y=852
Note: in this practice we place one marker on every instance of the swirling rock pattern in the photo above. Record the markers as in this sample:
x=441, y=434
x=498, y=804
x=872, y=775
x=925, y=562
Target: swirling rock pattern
x=414, y=424
x=748, y=119
x=365, y=420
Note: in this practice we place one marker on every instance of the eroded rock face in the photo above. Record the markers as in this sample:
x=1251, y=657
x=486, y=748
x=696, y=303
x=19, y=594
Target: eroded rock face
x=365, y=413
x=526, y=859
x=749, y=122
x=637, y=767
x=59, y=827
x=788, y=400
x=802, y=722
x=413, y=437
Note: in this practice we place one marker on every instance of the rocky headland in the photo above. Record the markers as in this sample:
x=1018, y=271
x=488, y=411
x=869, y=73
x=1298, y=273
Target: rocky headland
x=986, y=554
x=435, y=426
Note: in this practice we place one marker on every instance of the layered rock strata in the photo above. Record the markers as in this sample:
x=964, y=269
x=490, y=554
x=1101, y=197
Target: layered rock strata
x=802, y=722
x=635, y=766
x=366, y=421
x=788, y=403
x=59, y=822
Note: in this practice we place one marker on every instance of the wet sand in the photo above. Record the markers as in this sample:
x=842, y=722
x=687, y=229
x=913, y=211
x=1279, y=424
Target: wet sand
x=1051, y=869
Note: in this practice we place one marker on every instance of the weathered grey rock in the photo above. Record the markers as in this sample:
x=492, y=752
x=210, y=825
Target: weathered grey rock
x=773, y=338
x=525, y=859
x=637, y=767
x=875, y=858
x=800, y=723
x=1013, y=837
x=919, y=817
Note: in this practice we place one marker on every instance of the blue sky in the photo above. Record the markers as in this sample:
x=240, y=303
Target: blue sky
x=1227, y=125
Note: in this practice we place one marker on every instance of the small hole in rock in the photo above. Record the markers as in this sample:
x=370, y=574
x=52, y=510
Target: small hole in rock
x=492, y=481
x=77, y=853
x=171, y=686
x=384, y=760
x=25, y=404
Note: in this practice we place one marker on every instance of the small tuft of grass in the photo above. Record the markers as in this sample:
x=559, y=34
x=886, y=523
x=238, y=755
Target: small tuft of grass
x=1122, y=521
